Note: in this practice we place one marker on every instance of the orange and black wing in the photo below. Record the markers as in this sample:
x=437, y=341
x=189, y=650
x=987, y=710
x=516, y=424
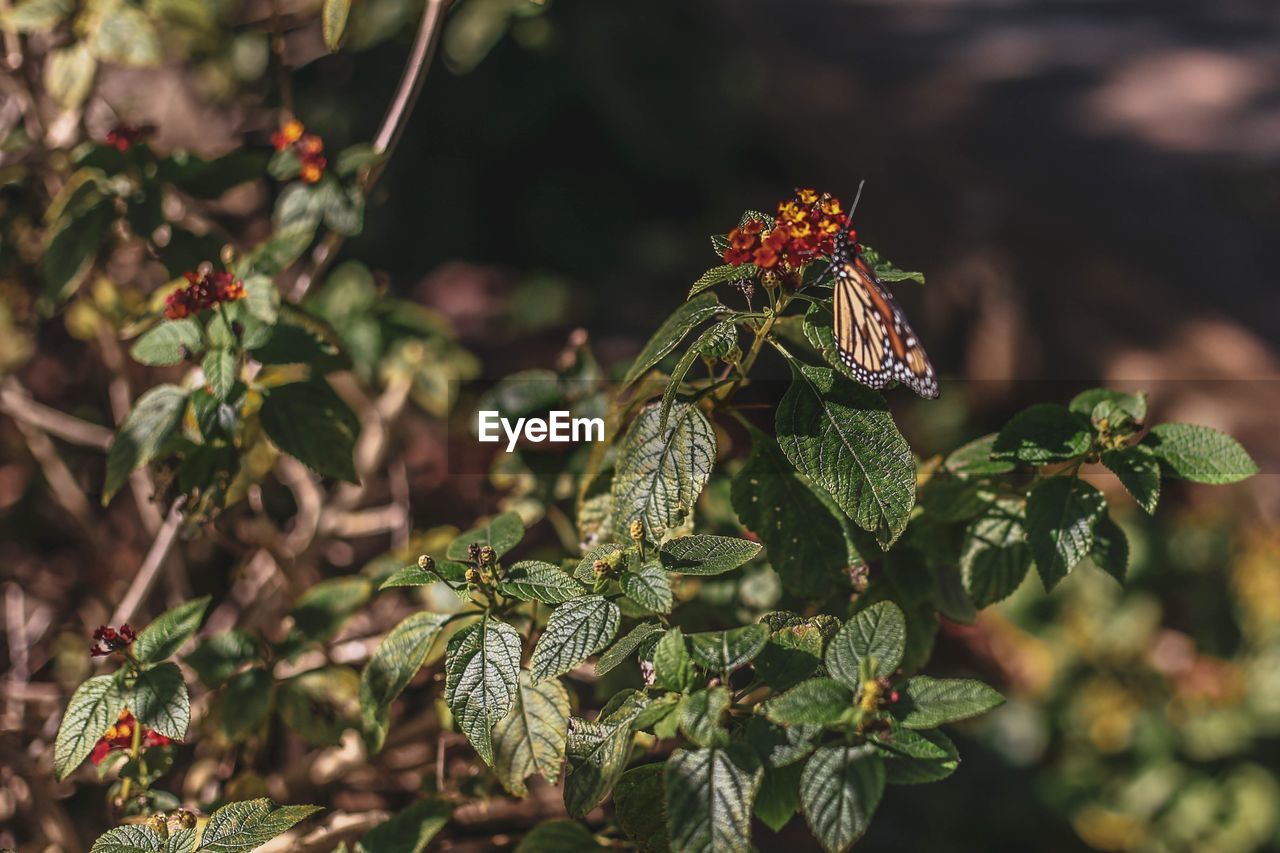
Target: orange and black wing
x=872, y=334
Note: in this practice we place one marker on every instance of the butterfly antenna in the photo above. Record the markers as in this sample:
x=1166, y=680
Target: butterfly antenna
x=862, y=183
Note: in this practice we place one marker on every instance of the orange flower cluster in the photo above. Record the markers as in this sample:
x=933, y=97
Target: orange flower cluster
x=308, y=147
x=201, y=292
x=805, y=229
x=107, y=640
x=120, y=736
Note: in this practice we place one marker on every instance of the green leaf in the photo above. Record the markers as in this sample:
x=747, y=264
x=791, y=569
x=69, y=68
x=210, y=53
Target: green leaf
x=558, y=836
x=285, y=166
x=717, y=275
x=710, y=793
x=243, y=826
x=877, y=634
x=409, y=830
x=482, y=666
x=808, y=539
x=840, y=789
x=1045, y=432
x=153, y=419
x=792, y=654
x=1061, y=513
x=531, y=738
x=356, y=157
x=930, y=702
x=700, y=716
x=168, y=631
x=1110, y=551
x=244, y=701
x=624, y=648
x=575, y=630
x=94, y=707
x=319, y=705
x=323, y=609
x=885, y=270
x=390, y=669
x=1138, y=470
x=843, y=437
x=995, y=557
x=1200, y=454
x=68, y=73
x=912, y=757
x=816, y=702
x=1087, y=403
x=33, y=16
x=262, y=298
x=781, y=746
x=660, y=472
x=779, y=795
x=725, y=651
x=596, y=754
x=640, y=801
x=168, y=343
x=311, y=423
x=333, y=22
x=672, y=331
x=159, y=700
x=144, y=839
x=650, y=587
x=219, y=657
x=220, y=369
x=707, y=555
x=124, y=35
x=975, y=459
x=502, y=533
x=672, y=665
x=534, y=580
x=717, y=341
x=417, y=576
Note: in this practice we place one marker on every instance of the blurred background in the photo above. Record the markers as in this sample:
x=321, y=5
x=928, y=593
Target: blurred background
x=1092, y=189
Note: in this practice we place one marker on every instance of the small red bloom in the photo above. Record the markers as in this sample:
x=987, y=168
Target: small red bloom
x=108, y=640
x=313, y=169
x=123, y=136
x=289, y=133
x=766, y=258
x=202, y=292
x=310, y=145
x=120, y=736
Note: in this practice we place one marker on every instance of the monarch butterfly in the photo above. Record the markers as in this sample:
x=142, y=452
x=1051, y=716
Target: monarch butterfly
x=871, y=332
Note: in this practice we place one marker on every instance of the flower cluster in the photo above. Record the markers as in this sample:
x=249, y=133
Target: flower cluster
x=107, y=640
x=308, y=147
x=201, y=292
x=122, y=137
x=120, y=736
x=805, y=229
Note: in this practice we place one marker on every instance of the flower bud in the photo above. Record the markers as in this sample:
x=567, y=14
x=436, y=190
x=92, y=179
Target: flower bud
x=636, y=530
x=473, y=575
x=186, y=819
x=600, y=567
x=487, y=555
x=157, y=824
x=426, y=563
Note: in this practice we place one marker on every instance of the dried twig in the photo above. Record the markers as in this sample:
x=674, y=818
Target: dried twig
x=17, y=404
x=146, y=576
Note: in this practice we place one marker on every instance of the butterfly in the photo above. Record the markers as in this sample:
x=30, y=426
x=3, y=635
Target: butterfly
x=871, y=332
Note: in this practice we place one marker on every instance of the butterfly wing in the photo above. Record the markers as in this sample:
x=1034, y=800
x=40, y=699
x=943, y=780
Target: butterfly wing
x=872, y=334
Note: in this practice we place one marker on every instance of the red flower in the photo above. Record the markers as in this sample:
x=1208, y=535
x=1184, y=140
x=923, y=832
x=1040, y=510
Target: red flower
x=313, y=169
x=108, y=640
x=123, y=136
x=120, y=736
x=201, y=292
x=289, y=133
x=805, y=230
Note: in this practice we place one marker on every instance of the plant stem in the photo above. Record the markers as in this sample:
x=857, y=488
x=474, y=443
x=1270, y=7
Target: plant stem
x=392, y=128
